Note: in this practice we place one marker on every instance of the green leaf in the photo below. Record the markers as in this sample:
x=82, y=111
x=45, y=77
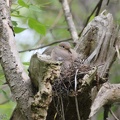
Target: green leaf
x=37, y=26
x=22, y=3
x=14, y=23
x=35, y=8
x=18, y=29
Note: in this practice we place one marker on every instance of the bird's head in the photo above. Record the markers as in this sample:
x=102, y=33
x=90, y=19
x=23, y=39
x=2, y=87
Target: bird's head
x=66, y=46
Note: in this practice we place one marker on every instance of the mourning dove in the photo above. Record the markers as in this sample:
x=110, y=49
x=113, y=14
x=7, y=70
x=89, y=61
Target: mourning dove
x=64, y=53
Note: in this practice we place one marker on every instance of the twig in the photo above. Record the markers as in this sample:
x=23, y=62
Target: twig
x=107, y=2
x=76, y=101
x=77, y=108
x=97, y=7
x=76, y=80
x=63, y=115
x=113, y=115
x=117, y=50
x=69, y=20
x=58, y=41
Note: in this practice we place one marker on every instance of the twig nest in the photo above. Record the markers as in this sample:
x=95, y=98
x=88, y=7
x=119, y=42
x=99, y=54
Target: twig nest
x=65, y=84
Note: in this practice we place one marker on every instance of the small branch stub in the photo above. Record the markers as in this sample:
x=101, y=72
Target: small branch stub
x=42, y=71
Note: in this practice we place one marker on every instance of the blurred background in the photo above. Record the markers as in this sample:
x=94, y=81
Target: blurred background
x=40, y=22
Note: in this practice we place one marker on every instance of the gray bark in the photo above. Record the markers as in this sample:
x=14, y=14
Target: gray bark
x=16, y=77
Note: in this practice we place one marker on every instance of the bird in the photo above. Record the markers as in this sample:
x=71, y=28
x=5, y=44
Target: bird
x=48, y=50
x=62, y=52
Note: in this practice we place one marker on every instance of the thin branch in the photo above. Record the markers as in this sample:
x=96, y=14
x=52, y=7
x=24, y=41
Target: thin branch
x=63, y=114
x=97, y=7
x=76, y=80
x=77, y=107
x=107, y=2
x=117, y=50
x=76, y=101
x=69, y=20
x=112, y=113
x=43, y=46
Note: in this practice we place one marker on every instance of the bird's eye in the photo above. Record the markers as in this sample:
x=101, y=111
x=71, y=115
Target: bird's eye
x=63, y=46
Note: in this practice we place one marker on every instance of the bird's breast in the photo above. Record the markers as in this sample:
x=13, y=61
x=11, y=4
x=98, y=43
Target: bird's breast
x=61, y=54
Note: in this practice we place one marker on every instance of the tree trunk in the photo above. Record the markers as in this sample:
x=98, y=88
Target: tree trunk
x=17, y=79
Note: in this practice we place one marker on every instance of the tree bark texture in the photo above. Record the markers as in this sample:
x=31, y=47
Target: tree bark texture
x=18, y=80
x=42, y=71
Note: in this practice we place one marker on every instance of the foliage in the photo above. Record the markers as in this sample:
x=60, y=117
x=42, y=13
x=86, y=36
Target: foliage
x=31, y=22
x=6, y=110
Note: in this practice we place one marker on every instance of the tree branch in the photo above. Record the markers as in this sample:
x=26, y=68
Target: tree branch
x=58, y=41
x=112, y=113
x=16, y=77
x=69, y=20
x=108, y=94
x=97, y=9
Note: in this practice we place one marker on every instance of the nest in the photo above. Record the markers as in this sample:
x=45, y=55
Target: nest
x=65, y=84
x=65, y=93
x=69, y=95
